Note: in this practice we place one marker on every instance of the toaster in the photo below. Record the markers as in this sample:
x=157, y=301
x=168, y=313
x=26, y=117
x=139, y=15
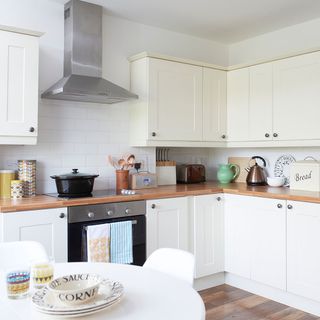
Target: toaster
x=191, y=173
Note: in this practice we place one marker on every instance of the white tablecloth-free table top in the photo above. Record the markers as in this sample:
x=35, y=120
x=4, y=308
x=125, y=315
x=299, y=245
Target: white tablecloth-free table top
x=148, y=295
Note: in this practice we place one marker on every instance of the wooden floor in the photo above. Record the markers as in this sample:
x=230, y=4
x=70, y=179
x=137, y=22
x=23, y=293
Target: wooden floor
x=226, y=302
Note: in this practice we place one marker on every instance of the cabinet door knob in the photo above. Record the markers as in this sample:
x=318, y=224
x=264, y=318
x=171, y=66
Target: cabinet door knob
x=153, y=134
x=153, y=206
x=289, y=206
x=275, y=135
x=223, y=136
x=279, y=205
x=62, y=215
x=218, y=198
x=91, y=214
x=267, y=135
x=31, y=129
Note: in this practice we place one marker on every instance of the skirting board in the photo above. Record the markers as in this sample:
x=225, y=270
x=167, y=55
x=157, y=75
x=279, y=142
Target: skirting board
x=278, y=295
x=209, y=281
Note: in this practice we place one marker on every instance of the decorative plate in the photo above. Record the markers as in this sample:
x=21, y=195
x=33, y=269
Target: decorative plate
x=44, y=301
x=282, y=167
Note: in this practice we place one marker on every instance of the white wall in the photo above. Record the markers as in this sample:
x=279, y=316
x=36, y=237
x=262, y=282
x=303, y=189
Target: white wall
x=78, y=134
x=271, y=45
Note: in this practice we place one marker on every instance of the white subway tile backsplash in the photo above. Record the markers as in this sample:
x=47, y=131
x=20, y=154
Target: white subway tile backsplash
x=78, y=135
x=95, y=160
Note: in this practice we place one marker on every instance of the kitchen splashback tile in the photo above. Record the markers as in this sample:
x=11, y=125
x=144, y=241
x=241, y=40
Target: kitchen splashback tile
x=77, y=135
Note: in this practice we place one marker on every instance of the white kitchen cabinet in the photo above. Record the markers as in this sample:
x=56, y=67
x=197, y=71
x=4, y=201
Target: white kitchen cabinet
x=238, y=236
x=19, y=61
x=297, y=97
x=180, y=103
x=214, y=105
x=260, y=103
x=170, y=100
x=48, y=226
x=167, y=224
x=303, y=249
x=238, y=105
x=207, y=234
x=268, y=264
x=250, y=103
x=256, y=239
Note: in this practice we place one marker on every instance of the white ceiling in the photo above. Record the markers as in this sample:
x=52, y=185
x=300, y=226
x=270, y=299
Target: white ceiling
x=225, y=21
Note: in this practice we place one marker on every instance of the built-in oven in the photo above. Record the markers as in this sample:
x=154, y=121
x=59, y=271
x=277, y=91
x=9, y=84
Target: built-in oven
x=79, y=217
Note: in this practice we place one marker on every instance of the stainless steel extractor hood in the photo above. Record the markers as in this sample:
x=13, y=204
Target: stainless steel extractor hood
x=82, y=79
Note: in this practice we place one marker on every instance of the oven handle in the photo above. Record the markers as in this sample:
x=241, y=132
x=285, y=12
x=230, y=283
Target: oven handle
x=133, y=222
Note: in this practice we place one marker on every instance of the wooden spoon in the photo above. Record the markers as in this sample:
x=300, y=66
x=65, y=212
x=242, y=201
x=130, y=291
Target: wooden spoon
x=122, y=163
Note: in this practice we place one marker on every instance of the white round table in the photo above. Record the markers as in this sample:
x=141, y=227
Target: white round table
x=148, y=295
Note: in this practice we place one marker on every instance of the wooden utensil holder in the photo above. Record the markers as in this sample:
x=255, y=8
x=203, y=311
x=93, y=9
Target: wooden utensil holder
x=122, y=179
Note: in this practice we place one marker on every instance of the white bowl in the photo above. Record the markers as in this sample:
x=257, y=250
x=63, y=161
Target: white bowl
x=275, y=181
x=75, y=288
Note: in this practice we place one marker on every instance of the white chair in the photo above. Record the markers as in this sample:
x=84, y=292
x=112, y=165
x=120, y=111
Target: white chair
x=20, y=253
x=175, y=262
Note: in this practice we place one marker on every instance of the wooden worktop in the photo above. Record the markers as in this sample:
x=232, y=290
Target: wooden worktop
x=181, y=190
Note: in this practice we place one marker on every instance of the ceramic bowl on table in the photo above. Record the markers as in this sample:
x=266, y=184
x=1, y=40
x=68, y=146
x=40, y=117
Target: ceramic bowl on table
x=75, y=289
x=275, y=181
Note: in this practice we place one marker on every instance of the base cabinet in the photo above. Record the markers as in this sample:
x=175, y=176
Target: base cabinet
x=255, y=231
x=303, y=249
x=237, y=236
x=49, y=227
x=207, y=234
x=167, y=224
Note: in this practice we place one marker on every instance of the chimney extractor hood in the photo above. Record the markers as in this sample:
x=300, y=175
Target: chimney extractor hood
x=82, y=79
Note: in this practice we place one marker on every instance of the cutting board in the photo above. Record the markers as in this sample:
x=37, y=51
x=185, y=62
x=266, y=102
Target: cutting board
x=243, y=163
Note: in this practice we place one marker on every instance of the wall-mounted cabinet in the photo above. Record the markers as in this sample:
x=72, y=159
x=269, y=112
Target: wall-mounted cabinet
x=19, y=61
x=296, y=96
x=186, y=103
x=276, y=101
x=179, y=103
x=250, y=104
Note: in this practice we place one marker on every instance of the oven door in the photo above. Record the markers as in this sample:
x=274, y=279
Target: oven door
x=75, y=238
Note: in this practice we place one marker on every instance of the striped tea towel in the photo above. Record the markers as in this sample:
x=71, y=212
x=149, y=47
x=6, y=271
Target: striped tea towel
x=121, y=242
x=98, y=241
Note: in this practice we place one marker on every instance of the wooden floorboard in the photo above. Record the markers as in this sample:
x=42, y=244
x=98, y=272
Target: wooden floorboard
x=229, y=303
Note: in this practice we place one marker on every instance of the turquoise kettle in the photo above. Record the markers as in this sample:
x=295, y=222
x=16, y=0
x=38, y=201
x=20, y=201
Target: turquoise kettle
x=227, y=172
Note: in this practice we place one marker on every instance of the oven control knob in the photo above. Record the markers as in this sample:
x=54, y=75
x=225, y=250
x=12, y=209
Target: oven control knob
x=90, y=214
x=109, y=212
x=127, y=211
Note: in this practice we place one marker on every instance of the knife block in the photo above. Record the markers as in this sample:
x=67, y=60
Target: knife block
x=166, y=172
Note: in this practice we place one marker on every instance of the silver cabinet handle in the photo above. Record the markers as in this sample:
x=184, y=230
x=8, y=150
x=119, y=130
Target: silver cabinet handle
x=289, y=206
x=91, y=215
x=127, y=211
x=279, y=205
x=62, y=215
x=109, y=212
